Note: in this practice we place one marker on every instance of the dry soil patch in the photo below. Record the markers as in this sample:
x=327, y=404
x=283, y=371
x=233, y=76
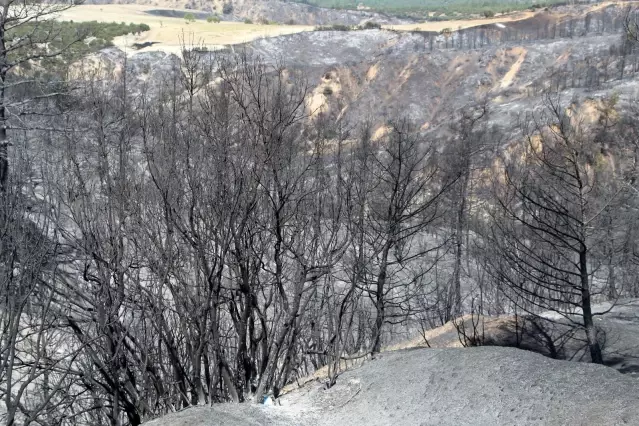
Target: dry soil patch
x=169, y=33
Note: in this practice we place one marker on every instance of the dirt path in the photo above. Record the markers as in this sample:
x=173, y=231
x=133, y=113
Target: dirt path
x=514, y=69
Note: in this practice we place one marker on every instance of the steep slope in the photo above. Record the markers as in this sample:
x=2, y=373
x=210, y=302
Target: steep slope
x=382, y=73
x=478, y=386
x=376, y=75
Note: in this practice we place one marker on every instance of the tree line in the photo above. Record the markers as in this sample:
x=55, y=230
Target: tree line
x=543, y=26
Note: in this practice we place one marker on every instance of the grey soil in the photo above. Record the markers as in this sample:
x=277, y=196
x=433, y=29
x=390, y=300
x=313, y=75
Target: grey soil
x=475, y=386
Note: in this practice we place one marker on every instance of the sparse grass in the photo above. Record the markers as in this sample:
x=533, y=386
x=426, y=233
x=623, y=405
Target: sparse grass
x=167, y=33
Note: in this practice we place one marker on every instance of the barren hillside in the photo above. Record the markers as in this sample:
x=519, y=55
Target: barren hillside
x=427, y=75
x=446, y=384
x=478, y=386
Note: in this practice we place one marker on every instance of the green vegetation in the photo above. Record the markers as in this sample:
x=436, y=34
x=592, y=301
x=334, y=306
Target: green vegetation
x=75, y=39
x=213, y=19
x=189, y=17
x=339, y=27
x=420, y=7
x=334, y=27
x=248, y=21
x=371, y=26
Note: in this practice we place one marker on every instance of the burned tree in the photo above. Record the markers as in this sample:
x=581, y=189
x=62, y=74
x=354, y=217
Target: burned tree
x=553, y=209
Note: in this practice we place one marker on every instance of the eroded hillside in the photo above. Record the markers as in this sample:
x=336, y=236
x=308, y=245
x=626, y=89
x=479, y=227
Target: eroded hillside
x=379, y=75
x=424, y=76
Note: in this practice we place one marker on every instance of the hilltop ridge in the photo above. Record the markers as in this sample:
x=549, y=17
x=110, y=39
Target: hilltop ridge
x=278, y=11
